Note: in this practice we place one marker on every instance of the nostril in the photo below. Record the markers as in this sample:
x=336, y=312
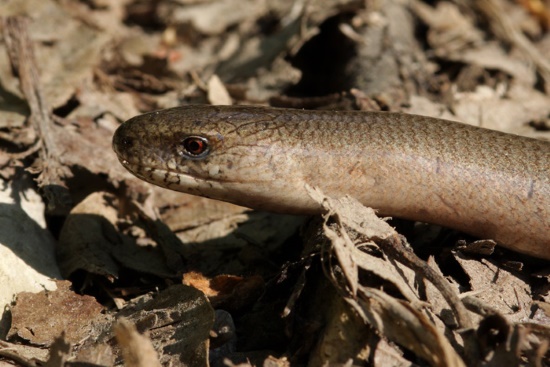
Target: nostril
x=127, y=142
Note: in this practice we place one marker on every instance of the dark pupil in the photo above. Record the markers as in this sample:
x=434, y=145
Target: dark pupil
x=194, y=146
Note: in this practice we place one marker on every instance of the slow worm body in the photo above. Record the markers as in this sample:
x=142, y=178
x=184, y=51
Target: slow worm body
x=483, y=182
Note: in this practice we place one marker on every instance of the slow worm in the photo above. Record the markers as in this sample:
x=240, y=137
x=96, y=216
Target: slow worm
x=483, y=182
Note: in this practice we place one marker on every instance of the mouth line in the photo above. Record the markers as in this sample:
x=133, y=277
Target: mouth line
x=148, y=174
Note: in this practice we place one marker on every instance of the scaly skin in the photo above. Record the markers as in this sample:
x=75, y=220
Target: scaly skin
x=483, y=182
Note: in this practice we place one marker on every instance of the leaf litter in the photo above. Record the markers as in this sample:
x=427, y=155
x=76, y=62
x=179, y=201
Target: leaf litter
x=258, y=289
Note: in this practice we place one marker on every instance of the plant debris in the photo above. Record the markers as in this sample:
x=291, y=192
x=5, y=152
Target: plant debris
x=158, y=278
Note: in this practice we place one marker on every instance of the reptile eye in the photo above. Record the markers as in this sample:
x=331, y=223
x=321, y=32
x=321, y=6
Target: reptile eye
x=195, y=147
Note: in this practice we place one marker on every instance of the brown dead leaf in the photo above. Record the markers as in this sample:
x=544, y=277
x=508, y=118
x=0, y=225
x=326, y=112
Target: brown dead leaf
x=369, y=227
x=89, y=147
x=505, y=344
x=505, y=292
x=213, y=18
x=137, y=350
x=400, y=276
x=345, y=338
x=480, y=247
x=116, y=59
x=179, y=320
x=385, y=313
x=386, y=354
x=68, y=63
x=508, y=31
x=486, y=107
x=19, y=352
x=236, y=242
x=343, y=250
x=27, y=248
x=507, y=106
x=100, y=354
x=492, y=57
x=90, y=241
x=88, y=237
x=40, y=318
x=407, y=326
x=217, y=93
x=450, y=31
x=229, y=292
x=538, y=9
x=183, y=212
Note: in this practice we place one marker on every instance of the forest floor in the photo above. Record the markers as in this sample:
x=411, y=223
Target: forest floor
x=98, y=268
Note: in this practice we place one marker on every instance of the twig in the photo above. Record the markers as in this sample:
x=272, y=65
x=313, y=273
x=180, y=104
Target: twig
x=23, y=62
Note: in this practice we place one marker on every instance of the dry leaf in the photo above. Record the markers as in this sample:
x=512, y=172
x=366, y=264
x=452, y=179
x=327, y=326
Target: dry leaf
x=137, y=350
x=40, y=318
